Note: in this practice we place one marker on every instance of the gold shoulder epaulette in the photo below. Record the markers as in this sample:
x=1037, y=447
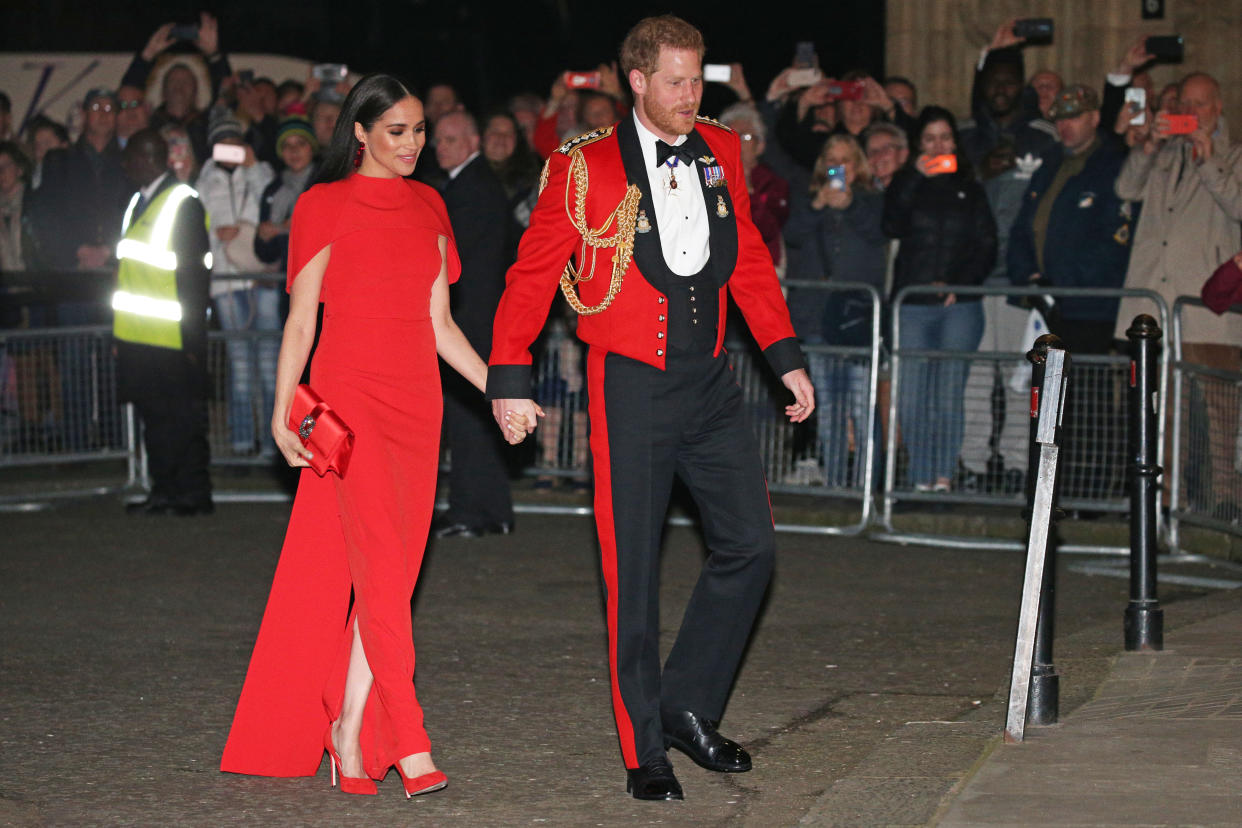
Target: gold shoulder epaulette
x=582, y=140
x=703, y=119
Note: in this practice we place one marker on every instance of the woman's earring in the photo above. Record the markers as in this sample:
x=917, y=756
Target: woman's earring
x=358, y=155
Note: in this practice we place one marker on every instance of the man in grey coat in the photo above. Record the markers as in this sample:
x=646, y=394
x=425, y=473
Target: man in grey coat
x=1191, y=190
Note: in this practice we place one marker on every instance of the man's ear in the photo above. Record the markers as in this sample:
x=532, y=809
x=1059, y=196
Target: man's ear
x=638, y=82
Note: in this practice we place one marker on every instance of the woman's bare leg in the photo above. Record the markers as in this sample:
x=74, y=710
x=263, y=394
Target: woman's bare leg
x=348, y=727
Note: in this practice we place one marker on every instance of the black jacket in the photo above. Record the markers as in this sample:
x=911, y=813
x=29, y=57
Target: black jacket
x=478, y=209
x=946, y=230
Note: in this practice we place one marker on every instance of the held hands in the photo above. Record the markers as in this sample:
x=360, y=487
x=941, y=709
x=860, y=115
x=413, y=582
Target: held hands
x=1004, y=37
x=830, y=196
x=160, y=40
x=1136, y=56
x=800, y=386
x=1202, y=143
x=516, y=418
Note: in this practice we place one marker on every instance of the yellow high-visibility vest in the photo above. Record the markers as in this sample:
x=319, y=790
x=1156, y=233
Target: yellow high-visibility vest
x=146, y=308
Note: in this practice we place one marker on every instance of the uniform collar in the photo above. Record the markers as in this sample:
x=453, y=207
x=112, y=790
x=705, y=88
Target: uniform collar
x=647, y=140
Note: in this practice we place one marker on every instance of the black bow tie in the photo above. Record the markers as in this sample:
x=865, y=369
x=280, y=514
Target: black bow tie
x=664, y=152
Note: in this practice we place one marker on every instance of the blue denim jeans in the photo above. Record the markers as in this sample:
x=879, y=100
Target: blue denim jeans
x=931, y=389
x=252, y=364
x=841, y=386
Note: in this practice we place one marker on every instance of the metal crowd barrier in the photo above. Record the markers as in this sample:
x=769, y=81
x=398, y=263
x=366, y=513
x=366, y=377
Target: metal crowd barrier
x=1205, y=470
x=58, y=403
x=1093, y=472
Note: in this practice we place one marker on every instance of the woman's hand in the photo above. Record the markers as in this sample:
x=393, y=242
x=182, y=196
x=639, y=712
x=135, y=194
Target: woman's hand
x=227, y=233
x=290, y=445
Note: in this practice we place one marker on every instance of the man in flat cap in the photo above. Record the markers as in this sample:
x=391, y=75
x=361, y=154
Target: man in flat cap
x=1074, y=231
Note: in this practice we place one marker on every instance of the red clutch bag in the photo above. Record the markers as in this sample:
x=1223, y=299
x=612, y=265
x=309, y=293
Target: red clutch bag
x=322, y=431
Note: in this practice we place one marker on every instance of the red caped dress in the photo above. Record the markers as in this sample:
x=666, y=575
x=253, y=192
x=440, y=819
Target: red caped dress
x=376, y=365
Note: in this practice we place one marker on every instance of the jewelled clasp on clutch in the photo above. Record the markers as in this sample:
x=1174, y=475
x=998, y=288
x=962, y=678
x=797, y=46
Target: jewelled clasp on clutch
x=307, y=426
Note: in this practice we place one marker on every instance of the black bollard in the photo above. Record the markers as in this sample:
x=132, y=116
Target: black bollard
x=1144, y=620
x=1044, y=705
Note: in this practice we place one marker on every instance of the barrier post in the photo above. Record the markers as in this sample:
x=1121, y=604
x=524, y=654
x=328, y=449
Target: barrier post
x=1048, y=399
x=1144, y=619
x=1045, y=703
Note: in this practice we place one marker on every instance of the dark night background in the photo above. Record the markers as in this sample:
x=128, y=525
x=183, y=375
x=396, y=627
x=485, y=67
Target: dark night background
x=488, y=49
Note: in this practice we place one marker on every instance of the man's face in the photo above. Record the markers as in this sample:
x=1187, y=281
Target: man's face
x=324, y=121
x=904, y=96
x=885, y=154
x=1199, y=97
x=265, y=91
x=441, y=100
x=1078, y=132
x=101, y=116
x=752, y=144
x=499, y=139
x=598, y=112
x=1001, y=89
x=1046, y=85
x=454, y=141
x=132, y=114
x=856, y=115
x=670, y=97
x=180, y=89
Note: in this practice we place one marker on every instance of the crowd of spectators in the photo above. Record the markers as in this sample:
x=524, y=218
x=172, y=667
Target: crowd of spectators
x=853, y=179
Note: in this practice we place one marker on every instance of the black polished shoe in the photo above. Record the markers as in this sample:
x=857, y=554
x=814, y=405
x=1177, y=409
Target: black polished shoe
x=698, y=739
x=466, y=530
x=150, y=506
x=198, y=507
x=653, y=781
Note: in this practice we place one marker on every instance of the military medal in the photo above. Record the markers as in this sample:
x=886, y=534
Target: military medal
x=713, y=175
x=672, y=172
x=642, y=225
x=721, y=209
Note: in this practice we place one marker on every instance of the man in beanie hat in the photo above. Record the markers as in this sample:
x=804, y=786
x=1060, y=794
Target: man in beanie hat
x=1074, y=231
x=231, y=184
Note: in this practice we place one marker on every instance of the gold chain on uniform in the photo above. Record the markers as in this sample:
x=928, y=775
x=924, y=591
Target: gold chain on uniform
x=624, y=215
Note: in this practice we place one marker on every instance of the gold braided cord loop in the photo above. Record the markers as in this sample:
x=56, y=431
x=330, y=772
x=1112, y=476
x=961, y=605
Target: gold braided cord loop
x=622, y=241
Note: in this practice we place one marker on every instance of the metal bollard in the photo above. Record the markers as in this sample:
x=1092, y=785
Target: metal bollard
x=1044, y=706
x=1144, y=619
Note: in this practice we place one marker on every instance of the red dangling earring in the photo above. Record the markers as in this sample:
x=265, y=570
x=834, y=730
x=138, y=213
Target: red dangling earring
x=358, y=155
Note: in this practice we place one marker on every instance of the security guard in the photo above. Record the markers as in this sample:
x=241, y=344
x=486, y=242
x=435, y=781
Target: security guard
x=160, y=316
x=656, y=216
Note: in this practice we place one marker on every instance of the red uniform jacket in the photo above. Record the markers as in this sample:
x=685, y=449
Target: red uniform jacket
x=635, y=324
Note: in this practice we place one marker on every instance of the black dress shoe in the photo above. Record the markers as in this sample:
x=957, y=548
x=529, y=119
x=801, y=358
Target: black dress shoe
x=457, y=529
x=698, y=739
x=150, y=506
x=197, y=507
x=654, y=780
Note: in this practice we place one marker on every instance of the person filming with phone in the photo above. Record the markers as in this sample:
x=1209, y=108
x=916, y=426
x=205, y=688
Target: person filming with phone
x=940, y=214
x=1187, y=173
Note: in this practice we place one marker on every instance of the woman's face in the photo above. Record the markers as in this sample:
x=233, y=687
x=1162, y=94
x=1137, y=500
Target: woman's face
x=499, y=139
x=296, y=153
x=394, y=141
x=840, y=156
x=937, y=139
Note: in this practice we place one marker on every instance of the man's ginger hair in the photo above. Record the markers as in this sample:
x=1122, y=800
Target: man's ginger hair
x=641, y=48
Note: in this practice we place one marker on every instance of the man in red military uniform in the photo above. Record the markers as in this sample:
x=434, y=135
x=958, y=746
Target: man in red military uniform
x=655, y=215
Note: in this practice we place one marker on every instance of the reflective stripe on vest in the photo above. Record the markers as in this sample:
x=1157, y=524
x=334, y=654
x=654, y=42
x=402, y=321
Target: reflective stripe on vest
x=146, y=306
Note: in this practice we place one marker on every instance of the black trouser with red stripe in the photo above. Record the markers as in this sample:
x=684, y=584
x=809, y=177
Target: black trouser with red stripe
x=648, y=425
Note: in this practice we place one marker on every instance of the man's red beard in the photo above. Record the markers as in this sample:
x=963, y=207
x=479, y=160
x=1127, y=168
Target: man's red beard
x=669, y=121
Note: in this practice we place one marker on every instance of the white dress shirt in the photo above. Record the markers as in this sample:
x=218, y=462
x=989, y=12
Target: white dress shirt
x=680, y=213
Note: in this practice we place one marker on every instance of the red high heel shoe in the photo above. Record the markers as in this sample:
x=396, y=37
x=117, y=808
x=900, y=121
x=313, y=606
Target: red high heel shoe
x=426, y=783
x=349, y=784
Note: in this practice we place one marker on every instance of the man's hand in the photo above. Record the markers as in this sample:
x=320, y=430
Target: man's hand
x=1202, y=143
x=1004, y=37
x=208, y=41
x=737, y=82
x=516, y=418
x=1136, y=56
x=227, y=232
x=609, y=80
x=159, y=41
x=804, y=395
x=875, y=95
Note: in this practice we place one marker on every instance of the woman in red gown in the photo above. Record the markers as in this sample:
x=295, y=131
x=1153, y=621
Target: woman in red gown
x=377, y=250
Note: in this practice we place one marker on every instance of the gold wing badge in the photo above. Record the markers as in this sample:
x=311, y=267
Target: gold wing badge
x=622, y=220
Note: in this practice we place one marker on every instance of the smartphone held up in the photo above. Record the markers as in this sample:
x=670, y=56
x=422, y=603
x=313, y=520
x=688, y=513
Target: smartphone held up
x=228, y=154
x=938, y=164
x=582, y=80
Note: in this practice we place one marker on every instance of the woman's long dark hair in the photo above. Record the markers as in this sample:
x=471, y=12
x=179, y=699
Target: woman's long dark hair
x=929, y=115
x=370, y=98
